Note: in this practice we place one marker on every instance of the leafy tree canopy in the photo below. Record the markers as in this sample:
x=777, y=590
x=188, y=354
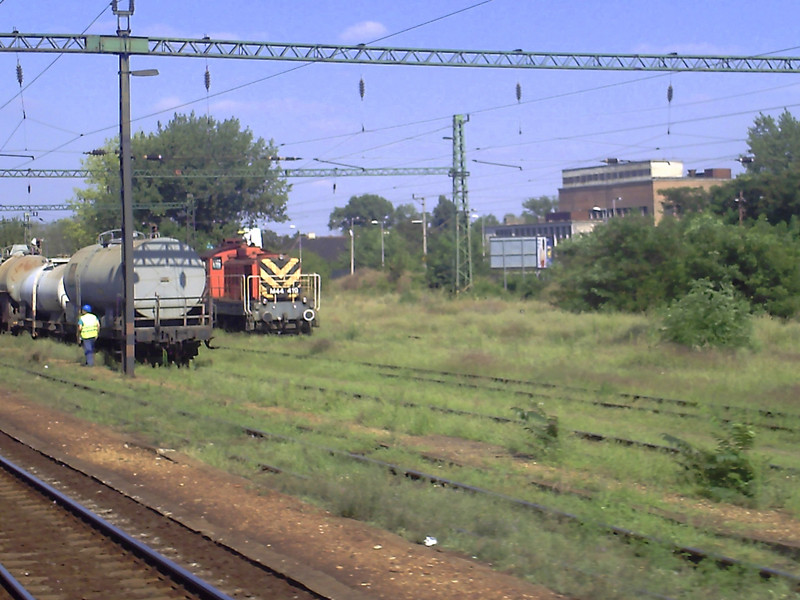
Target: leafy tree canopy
x=362, y=210
x=685, y=200
x=774, y=145
x=229, y=178
x=629, y=265
x=770, y=188
x=12, y=231
x=536, y=209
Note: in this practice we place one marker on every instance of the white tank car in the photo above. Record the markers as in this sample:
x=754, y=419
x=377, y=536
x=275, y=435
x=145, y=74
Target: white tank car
x=43, y=291
x=15, y=270
x=169, y=278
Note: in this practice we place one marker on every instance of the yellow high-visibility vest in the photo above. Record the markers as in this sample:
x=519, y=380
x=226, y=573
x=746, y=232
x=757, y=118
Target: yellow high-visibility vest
x=89, y=326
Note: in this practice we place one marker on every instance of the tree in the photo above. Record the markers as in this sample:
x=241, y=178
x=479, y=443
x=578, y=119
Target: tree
x=771, y=186
x=625, y=265
x=535, y=210
x=442, y=245
x=205, y=199
x=360, y=211
x=685, y=200
x=629, y=265
x=774, y=145
x=12, y=231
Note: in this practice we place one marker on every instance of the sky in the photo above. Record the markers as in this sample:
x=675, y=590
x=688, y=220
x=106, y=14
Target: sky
x=516, y=148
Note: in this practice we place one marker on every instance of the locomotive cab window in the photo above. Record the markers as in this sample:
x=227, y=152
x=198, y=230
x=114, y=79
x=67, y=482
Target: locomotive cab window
x=216, y=263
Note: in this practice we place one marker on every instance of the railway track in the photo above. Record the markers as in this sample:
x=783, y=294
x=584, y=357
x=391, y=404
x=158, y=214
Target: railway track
x=589, y=436
x=692, y=554
x=54, y=547
x=773, y=420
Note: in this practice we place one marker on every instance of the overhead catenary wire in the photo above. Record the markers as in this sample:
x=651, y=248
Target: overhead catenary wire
x=448, y=117
x=388, y=144
x=107, y=6
x=442, y=17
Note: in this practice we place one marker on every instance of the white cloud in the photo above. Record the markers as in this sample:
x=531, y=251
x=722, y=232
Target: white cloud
x=168, y=103
x=363, y=32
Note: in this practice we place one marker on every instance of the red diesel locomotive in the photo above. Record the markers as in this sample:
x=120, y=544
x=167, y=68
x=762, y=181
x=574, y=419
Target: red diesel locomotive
x=254, y=290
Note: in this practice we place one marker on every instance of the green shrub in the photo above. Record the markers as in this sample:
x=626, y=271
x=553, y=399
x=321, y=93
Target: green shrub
x=708, y=316
x=724, y=470
x=544, y=428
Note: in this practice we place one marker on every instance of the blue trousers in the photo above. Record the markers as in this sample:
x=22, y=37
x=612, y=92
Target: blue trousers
x=88, y=351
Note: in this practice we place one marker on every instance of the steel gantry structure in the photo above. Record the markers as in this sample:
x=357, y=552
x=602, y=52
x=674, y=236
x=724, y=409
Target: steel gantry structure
x=237, y=173
x=124, y=45
x=385, y=55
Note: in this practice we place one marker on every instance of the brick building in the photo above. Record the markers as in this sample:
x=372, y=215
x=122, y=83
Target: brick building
x=620, y=188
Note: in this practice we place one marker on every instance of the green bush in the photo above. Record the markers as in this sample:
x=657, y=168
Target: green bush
x=724, y=471
x=543, y=427
x=629, y=265
x=708, y=316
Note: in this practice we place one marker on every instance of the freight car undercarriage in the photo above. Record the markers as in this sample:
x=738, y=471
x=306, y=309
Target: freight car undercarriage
x=156, y=341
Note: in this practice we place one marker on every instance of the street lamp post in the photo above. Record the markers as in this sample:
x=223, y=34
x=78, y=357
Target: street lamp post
x=424, y=231
x=424, y=240
x=383, y=255
x=352, y=249
x=123, y=31
x=483, y=232
x=299, y=242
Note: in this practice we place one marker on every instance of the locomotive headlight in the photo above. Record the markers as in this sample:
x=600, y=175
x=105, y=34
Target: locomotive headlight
x=305, y=300
x=264, y=301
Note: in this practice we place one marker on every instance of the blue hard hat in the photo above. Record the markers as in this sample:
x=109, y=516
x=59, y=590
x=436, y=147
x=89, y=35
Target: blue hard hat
x=87, y=308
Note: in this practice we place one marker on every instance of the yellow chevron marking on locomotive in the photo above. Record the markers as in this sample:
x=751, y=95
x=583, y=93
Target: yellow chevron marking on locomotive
x=291, y=265
x=274, y=277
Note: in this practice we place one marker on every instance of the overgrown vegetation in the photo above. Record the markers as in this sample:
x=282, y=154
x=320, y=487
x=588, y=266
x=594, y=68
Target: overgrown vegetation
x=727, y=471
x=543, y=427
x=630, y=265
x=593, y=372
x=708, y=316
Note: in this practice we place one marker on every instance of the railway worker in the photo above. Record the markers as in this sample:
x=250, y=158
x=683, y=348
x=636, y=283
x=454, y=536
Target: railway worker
x=88, y=330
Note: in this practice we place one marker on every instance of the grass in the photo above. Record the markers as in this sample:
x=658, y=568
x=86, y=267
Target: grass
x=320, y=393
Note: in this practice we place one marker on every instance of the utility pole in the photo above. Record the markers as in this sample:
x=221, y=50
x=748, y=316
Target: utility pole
x=383, y=253
x=123, y=31
x=26, y=235
x=424, y=232
x=463, y=266
x=352, y=249
x=125, y=45
x=740, y=201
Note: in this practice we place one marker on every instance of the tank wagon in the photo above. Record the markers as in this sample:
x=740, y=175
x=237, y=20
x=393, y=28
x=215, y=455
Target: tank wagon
x=254, y=290
x=172, y=316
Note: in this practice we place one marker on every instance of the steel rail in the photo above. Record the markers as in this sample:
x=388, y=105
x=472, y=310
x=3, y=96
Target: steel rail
x=584, y=435
x=600, y=403
x=12, y=586
x=689, y=552
x=181, y=575
x=507, y=380
x=692, y=554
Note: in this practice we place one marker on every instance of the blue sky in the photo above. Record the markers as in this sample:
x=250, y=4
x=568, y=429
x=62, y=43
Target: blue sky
x=565, y=119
